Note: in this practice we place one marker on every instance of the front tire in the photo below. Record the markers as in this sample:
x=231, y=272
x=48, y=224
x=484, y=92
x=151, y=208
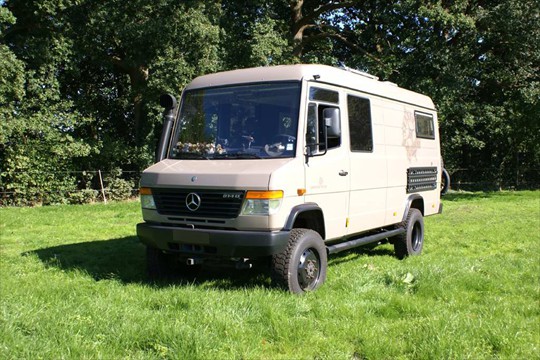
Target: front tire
x=301, y=267
x=159, y=265
x=411, y=242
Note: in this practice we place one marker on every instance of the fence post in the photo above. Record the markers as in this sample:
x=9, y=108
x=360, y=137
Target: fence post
x=102, y=189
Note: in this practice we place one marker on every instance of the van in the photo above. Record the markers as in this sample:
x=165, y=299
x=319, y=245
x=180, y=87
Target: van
x=287, y=165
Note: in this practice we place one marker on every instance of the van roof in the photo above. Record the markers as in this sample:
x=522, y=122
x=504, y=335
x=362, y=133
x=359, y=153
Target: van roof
x=343, y=77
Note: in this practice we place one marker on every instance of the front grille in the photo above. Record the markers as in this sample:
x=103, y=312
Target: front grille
x=218, y=204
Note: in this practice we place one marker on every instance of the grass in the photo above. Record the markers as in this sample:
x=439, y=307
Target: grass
x=72, y=286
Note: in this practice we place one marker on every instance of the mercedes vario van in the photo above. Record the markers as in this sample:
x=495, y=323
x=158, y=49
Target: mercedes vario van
x=289, y=164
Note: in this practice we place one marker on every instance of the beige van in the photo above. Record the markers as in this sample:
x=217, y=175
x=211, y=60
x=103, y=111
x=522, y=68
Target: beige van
x=289, y=164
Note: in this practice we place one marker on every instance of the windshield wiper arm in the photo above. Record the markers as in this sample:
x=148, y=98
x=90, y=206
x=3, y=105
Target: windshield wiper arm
x=190, y=156
x=247, y=156
x=238, y=155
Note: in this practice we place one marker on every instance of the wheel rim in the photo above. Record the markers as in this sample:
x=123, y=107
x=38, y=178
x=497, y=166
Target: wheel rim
x=309, y=269
x=416, y=236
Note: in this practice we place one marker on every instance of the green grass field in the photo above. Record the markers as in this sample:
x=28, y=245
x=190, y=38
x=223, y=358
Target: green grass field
x=73, y=286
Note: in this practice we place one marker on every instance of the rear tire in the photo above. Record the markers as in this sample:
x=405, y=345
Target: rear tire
x=445, y=182
x=411, y=242
x=302, y=265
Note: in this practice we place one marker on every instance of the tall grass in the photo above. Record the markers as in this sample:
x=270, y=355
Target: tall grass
x=73, y=286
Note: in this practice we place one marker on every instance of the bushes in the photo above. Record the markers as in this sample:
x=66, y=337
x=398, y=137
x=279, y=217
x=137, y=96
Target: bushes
x=33, y=175
x=31, y=185
x=118, y=188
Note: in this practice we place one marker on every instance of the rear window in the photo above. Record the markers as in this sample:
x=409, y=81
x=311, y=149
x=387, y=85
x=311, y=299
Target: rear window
x=425, y=127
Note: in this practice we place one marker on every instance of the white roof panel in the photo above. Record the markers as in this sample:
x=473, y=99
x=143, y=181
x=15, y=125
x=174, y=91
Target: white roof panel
x=316, y=73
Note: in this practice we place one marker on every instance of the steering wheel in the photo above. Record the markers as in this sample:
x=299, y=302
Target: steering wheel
x=279, y=146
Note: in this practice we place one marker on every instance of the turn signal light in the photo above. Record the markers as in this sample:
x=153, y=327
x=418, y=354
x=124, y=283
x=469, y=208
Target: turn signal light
x=274, y=194
x=145, y=191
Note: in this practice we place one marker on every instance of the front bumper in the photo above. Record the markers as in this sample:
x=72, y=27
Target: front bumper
x=226, y=243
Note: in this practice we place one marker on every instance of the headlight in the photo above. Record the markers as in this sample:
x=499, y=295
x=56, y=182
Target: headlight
x=147, y=199
x=262, y=202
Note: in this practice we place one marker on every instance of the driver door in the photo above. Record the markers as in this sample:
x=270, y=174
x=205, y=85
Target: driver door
x=327, y=167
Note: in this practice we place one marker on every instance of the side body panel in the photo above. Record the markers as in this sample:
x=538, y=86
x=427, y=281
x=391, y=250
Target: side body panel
x=405, y=150
x=374, y=192
x=369, y=175
x=328, y=189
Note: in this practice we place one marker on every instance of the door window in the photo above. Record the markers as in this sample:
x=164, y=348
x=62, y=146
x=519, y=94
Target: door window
x=316, y=135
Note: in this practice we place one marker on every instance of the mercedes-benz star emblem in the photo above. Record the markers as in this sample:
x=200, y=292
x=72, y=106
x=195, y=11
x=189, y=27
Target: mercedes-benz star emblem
x=193, y=201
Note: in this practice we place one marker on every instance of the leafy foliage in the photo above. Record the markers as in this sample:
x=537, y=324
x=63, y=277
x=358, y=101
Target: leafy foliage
x=118, y=188
x=480, y=64
x=80, y=79
x=83, y=87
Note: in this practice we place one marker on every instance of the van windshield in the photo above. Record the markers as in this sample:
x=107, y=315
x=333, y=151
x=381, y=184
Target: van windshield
x=238, y=122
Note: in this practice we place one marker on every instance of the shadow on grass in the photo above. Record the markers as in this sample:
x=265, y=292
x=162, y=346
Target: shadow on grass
x=121, y=259
x=124, y=260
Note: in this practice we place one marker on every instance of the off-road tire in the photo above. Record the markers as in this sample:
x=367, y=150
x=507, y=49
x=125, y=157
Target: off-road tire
x=411, y=242
x=159, y=265
x=445, y=182
x=302, y=265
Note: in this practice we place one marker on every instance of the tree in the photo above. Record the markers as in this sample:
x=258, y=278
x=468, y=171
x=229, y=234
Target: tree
x=93, y=75
x=37, y=146
x=508, y=88
x=480, y=62
x=149, y=45
x=253, y=33
x=285, y=31
x=11, y=78
x=80, y=79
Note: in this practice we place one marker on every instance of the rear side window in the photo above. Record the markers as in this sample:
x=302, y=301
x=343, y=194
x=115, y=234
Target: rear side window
x=360, y=124
x=424, y=126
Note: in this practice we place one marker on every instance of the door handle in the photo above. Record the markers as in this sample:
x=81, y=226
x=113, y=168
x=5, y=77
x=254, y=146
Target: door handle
x=343, y=173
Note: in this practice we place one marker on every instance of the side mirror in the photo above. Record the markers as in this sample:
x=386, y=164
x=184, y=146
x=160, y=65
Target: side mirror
x=331, y=120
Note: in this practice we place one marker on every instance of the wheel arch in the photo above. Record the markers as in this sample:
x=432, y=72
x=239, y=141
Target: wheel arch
x=306, y=216
x=414, y=201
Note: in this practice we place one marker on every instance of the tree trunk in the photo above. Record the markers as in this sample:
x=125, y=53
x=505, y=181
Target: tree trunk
x=138, y=77
x=300, y=21
x=297, y=29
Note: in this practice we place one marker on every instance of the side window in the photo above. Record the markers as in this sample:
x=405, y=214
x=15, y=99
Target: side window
x=360, y=124
x=318, y=94
x=312, y=133
x=424, y=126
x=316, y=133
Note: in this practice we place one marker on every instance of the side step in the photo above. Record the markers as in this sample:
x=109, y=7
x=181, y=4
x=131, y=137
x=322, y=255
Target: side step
x=333, y=249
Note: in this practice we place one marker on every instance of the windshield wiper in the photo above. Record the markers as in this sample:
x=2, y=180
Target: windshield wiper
x=247, y=156
x=191, y=156
x=238, y=155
